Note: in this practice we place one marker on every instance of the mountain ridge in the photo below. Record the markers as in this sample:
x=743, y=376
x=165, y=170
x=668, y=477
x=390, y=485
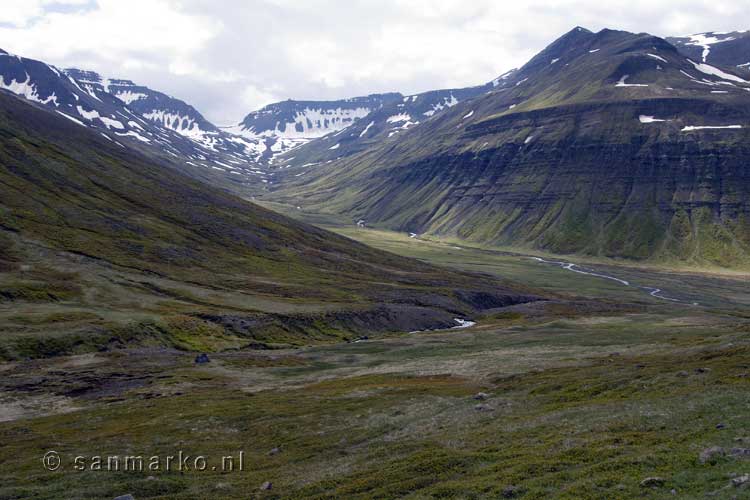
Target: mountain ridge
x=141, y=118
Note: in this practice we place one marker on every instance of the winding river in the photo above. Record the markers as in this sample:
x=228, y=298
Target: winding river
x=652, y=291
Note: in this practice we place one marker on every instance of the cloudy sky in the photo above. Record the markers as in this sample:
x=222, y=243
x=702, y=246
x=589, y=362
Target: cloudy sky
x=233, y=56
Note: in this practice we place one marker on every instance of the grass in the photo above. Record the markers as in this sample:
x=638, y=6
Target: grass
x=588, y=395
x=579, y=409
x=705, y=286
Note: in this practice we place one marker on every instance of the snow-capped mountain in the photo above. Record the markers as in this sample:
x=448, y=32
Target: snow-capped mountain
x=310, y=119
x=170, y=113
x=46, y=85
x=152, y=105
x=320, y=131
x=288, y=124
x=730, y=49
x=394, y=116
x=127, y=113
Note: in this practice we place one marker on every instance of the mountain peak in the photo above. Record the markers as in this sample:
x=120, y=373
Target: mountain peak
x=578, y=29
x=576, y=35
x=572, y=41
x=83, y=75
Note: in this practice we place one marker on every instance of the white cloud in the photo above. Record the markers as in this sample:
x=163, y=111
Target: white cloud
x=255, y=98
x=226, y=58
x=19, y=13
x=115, y=28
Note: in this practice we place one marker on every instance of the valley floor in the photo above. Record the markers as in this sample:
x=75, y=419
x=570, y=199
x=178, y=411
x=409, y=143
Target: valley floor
x=608, y=392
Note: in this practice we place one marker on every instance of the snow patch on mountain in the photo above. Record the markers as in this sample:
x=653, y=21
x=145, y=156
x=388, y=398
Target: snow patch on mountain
x=447, y=102
x=710, y=70
x=621, y=83
x=366, y=129
x=94, y=115
x=705, y=40
x=403, y=117
x=660, y=58
x=128, y=97
x=181, y=124
x=135, y=134
x=649, y=119
x=111, y=123
x=76, y=120
x=690, y=128
x=28, y=90
x=500, y=79
x=308, y=123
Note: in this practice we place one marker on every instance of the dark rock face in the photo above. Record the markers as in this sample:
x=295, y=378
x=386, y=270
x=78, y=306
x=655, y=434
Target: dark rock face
x=411, y=314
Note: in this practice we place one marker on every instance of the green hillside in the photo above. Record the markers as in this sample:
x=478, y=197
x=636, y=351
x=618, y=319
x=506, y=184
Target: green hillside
x=608, y=144
x=102, y=247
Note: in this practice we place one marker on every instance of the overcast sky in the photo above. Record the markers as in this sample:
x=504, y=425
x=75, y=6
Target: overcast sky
x=230, y=57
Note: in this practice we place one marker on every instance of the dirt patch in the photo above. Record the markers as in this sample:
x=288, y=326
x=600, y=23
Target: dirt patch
x=13, y=407
x=4, y=367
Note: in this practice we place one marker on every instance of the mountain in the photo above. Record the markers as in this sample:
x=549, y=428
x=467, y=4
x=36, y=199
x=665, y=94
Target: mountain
x=126, y=113
x=608, y=143
x=132, y=250
x=288, y=124
x=234, y=158
x=730, y=49
x=154, y=106
x=312, y=132
x=391, y=118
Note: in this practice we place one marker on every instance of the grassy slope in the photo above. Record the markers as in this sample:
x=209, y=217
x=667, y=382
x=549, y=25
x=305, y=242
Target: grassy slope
x=95, y=240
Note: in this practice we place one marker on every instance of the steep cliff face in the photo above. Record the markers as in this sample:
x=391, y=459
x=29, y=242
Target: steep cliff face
x=655, y=192
x=608, y=144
